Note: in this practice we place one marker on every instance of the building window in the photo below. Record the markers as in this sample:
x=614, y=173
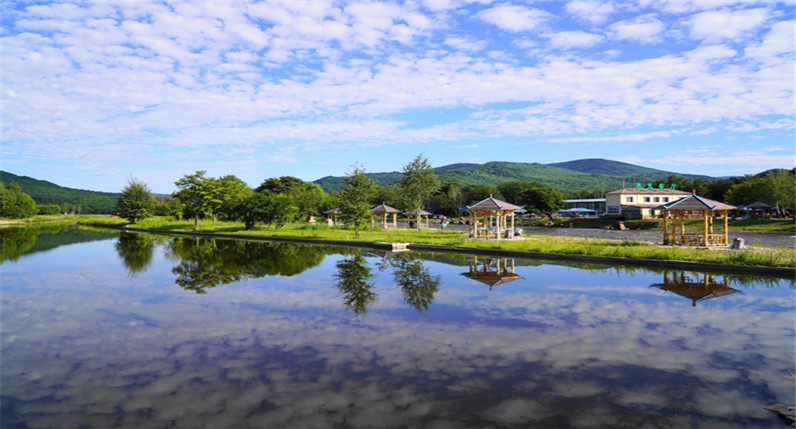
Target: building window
x=646, y=199
x=665, y=199
x=657, y=199
x=629, y=199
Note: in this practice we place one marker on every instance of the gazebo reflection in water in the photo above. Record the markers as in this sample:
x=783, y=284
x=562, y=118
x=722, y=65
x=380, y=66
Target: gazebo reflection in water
x=694, y=287
x=492, y=271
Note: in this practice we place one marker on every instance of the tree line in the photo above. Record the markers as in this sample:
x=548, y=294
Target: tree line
x=277, y=201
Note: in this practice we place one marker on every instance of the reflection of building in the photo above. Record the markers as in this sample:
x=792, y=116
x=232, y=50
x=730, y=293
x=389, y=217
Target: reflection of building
x=492, y=272
x=694, y=288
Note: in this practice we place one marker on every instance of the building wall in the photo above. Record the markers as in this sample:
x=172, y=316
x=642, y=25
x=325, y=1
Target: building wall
x=616, y=202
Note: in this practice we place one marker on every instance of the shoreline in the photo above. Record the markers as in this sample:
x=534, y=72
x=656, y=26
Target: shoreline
x=780, y=272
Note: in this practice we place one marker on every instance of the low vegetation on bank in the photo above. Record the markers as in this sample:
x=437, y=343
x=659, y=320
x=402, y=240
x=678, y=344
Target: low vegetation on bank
x=754, y=256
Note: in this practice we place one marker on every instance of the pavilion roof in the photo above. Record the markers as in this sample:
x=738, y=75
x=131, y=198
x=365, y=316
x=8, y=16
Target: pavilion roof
x=422, y=212
x=493, y=204
x=384, y=208
x=695, y=202
x=333, y=211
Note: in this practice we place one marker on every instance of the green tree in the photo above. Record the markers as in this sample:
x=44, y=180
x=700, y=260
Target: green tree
x=268, y=209
x=356, y=199
x=749, y=190
x=418, y=183
x=49, y=209
x=308, y=197
x=14, y=203
x=197, y=195
x=136, y=201
x=228, y=194
x=542, y=199
x=781, y=185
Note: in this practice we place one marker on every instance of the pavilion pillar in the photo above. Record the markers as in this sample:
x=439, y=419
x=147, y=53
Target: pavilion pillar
x=512, y=220
x=395, y=220
x=372, y=222
x=705, y=221
x=665, y=229
x=726, y=239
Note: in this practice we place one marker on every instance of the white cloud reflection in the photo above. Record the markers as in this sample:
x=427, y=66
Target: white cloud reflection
x=92, y=347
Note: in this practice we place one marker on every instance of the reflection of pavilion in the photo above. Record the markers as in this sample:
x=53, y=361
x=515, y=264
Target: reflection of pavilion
x=693, y=288
x=493, y=271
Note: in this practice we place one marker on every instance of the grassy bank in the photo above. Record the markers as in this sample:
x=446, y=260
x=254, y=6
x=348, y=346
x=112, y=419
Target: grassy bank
x=533, y=243
x=749, y=225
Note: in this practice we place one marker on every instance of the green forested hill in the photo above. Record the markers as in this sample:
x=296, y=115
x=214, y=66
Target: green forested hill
x=607, y=167
x=596, y=175
x=44, y=192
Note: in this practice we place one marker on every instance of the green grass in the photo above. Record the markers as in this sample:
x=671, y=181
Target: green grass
x=533, y=243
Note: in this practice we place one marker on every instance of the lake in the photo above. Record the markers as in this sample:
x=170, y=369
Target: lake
x=107, y=329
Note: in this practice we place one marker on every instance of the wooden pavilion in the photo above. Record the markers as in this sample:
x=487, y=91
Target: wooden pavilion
x=695, y=289
x=492, y=272
x=382, y=212
x=694, y=206
x=333, y=213
x=489, y=218
x=412, y=215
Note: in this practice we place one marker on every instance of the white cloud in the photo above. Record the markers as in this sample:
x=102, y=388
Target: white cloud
x=596, y=12
x=574, y=39
x=515, y=18
x=645, y=28
x=726, y=24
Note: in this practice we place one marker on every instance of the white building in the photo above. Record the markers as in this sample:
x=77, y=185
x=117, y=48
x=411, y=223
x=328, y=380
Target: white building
x=638, y=202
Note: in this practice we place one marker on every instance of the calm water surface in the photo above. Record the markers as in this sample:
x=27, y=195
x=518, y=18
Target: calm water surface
x=106, y=330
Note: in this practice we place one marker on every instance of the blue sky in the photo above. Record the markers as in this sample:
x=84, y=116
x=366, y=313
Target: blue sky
x=93, y=93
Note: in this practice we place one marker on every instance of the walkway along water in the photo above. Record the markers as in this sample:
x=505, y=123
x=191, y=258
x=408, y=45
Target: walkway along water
x=782, y=272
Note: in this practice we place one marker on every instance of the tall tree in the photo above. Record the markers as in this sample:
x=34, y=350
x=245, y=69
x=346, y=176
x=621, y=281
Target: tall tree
x=308, y=197
x=781, y=184
x=228, y=193
x=196, y=193
x=418, y=183
x=542, y=199
x=136, y=201
x=14, y=203
x=356, y=199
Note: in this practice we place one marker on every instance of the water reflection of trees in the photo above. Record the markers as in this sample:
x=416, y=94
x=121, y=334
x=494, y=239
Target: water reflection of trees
x=416, y=283
x=353, y=280
x=136, y=251
x=14, y=242
x=207, y=263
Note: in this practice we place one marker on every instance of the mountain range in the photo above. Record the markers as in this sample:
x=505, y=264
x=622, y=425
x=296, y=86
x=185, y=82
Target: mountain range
x=573, y=176
x=593, y=174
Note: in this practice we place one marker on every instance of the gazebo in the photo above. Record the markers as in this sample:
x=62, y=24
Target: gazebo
x=759, y=210
x=494, y=214
x=411, y=215
x=381, y=212
x=694, y=289
x=493, y=272
x=333, y=213
x=694, y=206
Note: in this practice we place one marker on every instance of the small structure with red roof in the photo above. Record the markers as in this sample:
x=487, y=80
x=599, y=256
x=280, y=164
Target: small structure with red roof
x=494, y=215
x=692, y=206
